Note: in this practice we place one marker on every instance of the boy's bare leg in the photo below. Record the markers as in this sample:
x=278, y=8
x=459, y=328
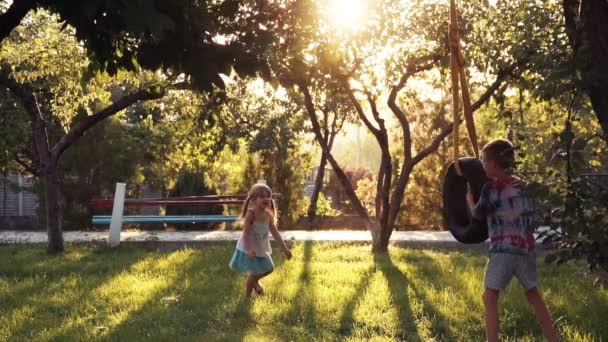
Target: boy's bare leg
x=542, y=313
x=490, y=302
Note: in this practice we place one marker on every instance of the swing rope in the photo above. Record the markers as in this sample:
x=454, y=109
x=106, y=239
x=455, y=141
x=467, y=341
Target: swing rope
x=459, y=76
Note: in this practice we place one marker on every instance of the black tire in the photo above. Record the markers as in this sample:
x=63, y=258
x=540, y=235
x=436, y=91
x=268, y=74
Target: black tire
x=456, y=214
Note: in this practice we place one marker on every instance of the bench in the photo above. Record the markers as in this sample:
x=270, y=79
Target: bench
x=117, y=219
x=132, y=219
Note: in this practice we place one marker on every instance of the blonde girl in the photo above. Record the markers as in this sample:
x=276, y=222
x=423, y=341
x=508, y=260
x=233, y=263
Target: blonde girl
x=253, y=253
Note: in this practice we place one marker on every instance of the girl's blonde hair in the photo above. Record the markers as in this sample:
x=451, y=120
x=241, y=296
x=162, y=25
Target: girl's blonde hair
x=260, y=190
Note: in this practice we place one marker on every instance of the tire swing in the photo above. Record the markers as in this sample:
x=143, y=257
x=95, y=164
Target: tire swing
x=463, y=173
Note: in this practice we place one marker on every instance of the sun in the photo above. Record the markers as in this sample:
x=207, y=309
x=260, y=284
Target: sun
x=346, y=14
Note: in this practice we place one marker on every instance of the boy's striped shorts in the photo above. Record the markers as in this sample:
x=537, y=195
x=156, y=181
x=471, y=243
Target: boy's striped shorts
x=501, y=267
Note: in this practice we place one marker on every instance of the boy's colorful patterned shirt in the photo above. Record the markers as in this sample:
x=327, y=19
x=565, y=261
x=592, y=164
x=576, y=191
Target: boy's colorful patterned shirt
x=510, y=216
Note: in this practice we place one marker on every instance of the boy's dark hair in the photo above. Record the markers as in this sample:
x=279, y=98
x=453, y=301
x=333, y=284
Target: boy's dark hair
x=502, y=152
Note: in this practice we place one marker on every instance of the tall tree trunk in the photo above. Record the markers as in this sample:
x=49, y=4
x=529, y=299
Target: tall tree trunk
x=54, y=208
x=50, y=176
x=381, y=239
x=312, y=208
x=599, y=101
x=50, y=179
x=597, y=31
x=587, y=27
x=330, y=136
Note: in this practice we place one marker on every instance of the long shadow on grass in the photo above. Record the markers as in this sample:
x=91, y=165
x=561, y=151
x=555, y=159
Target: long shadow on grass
x=47, y=275
x=115, y=296
x=302, y=312
x=517, y=317
x=398, y=285
x=206, y=302
x=452, y=282
x=346, y=321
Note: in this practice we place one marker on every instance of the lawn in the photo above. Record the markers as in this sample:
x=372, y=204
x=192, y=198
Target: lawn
x=326, y=292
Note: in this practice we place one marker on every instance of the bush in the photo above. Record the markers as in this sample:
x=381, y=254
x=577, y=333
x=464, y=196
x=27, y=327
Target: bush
x=192, y=183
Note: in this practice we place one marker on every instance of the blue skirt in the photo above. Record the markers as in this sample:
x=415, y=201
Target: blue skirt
x=259, y=265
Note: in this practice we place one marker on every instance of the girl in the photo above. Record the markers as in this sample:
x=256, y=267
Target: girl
x=252, y=254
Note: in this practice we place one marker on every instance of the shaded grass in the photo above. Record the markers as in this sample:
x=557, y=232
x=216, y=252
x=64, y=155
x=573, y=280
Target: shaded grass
x=326, y=292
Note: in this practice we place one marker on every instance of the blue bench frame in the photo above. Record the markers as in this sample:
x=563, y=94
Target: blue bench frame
x=117, y=219
x=132, y=219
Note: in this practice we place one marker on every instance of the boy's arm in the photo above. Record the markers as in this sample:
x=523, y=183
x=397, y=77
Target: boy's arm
x=483, y=207
x=470, y=200
x=278, y=238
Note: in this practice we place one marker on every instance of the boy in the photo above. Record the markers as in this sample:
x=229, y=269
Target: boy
x=510, y=226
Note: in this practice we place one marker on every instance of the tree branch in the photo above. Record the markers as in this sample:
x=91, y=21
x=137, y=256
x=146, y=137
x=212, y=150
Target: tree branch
x=416, y=66
x=358, y=108
x=310, y=108
x=30, y=104
x=375, y=113
x=432, y=147
x=325, y=132
x=81, y=127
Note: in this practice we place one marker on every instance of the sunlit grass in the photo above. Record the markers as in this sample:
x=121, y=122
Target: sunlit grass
x=327, y=292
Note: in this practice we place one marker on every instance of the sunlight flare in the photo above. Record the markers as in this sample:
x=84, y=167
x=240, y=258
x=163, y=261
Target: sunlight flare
x=347, y=14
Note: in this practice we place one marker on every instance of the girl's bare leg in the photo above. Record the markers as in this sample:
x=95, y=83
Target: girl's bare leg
x=249, y=284
x=258, y=288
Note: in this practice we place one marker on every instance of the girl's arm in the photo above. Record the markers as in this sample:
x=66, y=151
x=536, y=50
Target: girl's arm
x=278, y=238
x=247, y=234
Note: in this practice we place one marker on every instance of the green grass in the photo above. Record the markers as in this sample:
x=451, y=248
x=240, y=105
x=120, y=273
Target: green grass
x=326, y=292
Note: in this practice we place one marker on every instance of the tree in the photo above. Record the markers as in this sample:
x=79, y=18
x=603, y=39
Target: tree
x=127, y=34
x=272, y=126
x=358, y=65
x=48, y=72
x=560, y=140
x=116, y=38
x=335, y=114
x=91, y=167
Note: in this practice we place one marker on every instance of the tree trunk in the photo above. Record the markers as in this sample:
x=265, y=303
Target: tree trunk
x=312, y=209
x=599, y=101
x=54, y=208
x=596, y=27
x=329, y=137
x=587, y=27
x=381, y=239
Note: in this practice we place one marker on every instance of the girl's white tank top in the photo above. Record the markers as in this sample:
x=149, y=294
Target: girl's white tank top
x=260, y=239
